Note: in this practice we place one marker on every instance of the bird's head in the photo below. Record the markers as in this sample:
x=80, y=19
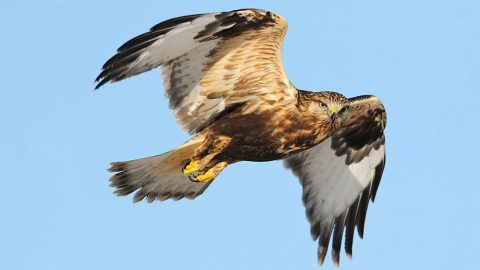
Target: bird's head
x=329, y=107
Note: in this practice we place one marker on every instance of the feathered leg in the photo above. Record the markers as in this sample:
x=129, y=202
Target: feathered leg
x=201, y=168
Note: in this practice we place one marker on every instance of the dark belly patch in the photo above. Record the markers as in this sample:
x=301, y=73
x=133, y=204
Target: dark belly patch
x=253, y=153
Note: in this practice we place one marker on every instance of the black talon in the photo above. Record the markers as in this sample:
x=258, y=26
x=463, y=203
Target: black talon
x=184, y=166
x=193, y=177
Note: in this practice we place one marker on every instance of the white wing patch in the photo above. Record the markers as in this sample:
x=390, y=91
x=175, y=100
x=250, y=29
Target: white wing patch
x=171, y=45
x=334, y=184
x=364, y=170
x=182, y=78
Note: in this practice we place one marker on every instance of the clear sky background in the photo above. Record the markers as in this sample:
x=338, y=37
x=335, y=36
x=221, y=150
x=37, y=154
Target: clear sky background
x=58, y=136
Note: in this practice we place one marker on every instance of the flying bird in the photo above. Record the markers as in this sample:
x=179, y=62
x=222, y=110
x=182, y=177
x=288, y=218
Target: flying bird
x=226, y=85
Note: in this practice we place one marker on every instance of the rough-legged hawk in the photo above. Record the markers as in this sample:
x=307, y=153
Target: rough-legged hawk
x=225, y=82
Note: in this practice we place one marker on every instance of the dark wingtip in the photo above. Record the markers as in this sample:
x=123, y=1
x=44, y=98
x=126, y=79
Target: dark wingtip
x=362, y=212
x=323, y=242
x=171, y=23
x=348, y=251
x=336, y=258
x=97, y=86
x=101, y=80
x=337, y=238
x=321, y=253
x=376, y=180
x=350, y=227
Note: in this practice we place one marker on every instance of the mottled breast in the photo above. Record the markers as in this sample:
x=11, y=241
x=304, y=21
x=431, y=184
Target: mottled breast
x=269, y=135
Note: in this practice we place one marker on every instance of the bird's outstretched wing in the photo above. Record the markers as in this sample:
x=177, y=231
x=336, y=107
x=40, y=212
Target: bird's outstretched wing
x=340, y=175
x=211, y=63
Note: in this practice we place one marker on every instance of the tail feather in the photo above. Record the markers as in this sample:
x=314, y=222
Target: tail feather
x=158, y=177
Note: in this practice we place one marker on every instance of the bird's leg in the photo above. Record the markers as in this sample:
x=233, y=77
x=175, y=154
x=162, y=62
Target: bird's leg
x=204, y=155
x=197, y=164
x=211, y=173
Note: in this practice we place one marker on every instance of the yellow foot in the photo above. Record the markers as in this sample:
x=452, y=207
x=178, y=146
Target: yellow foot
x=207, y=176
x=191, y=167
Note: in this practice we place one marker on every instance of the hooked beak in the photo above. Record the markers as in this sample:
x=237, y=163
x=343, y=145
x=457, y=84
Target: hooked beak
x=333, y=113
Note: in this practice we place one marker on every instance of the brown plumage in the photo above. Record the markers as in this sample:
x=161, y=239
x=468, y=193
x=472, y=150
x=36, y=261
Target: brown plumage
x=226, y=85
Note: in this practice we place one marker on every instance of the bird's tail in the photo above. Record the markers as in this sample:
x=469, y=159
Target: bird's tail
x=158, y=177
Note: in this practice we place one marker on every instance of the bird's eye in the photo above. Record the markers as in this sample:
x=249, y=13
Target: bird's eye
x=343, y=110
x=322, y=105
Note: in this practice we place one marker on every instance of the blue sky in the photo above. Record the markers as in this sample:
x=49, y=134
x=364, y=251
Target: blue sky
x=58, y=136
